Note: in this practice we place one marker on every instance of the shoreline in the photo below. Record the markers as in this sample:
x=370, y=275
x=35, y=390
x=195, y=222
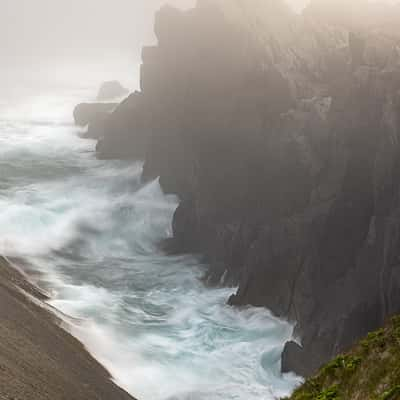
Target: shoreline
x=39, y=359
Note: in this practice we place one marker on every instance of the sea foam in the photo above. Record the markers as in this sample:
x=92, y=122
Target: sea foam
x=92, y=230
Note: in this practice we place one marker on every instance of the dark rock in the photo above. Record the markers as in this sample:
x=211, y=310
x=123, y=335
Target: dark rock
x=184, y=221
x=87, y=113
x=125, y=131
x=293, y=357
x=97, y=128
x=281, y=137
x=284, y=193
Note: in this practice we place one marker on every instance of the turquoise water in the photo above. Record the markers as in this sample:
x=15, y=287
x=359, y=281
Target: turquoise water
x=91, y=229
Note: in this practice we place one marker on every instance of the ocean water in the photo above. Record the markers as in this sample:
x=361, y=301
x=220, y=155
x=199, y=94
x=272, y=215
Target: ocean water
x=90, y=231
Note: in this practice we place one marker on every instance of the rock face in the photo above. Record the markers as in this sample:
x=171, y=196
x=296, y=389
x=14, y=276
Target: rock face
x=280, y=133
x=87, y=113
x=111, y=90
x=125, y=132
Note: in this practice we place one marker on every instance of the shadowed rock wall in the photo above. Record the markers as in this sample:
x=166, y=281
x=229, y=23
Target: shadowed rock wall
x=280, y=134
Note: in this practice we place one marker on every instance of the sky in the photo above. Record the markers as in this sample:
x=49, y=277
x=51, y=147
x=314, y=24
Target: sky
x=56, y=38
x=100, y=38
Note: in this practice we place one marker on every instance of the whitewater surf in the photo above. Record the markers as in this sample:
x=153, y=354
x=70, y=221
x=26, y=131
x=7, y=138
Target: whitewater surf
x=90, y=230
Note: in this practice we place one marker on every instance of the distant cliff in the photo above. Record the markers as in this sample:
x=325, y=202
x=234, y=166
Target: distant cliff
x=280, y=133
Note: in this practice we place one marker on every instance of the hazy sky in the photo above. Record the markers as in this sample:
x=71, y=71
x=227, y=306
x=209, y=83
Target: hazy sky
x=58, y=36
x=53, y=37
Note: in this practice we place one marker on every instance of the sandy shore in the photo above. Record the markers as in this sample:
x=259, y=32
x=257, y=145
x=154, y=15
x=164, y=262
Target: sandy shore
x=38, y=359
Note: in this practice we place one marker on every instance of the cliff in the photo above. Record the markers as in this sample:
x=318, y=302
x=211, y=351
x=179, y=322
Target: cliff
x=38, y=359
x=280, y=134
x=371, y=370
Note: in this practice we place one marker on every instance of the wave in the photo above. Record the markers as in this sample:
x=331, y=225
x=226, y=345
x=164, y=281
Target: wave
x=92, y=229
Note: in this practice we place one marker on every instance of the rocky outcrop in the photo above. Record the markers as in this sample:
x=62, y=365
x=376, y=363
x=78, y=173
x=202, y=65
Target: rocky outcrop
x=111, y=90
x=87, y=113
x=124, y=133
x=280, y=134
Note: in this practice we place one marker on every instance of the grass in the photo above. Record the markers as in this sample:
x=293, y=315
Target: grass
x=370, y=371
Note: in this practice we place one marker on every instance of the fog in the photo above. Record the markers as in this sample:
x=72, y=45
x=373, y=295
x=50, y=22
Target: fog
x=54, y=39
x=49, y=40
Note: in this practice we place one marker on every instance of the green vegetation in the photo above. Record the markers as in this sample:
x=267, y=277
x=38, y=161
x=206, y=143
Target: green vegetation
x=392, y=394
x=371, y=371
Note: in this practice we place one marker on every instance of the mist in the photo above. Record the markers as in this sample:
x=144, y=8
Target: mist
x=47, y=41
x=54, y=41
